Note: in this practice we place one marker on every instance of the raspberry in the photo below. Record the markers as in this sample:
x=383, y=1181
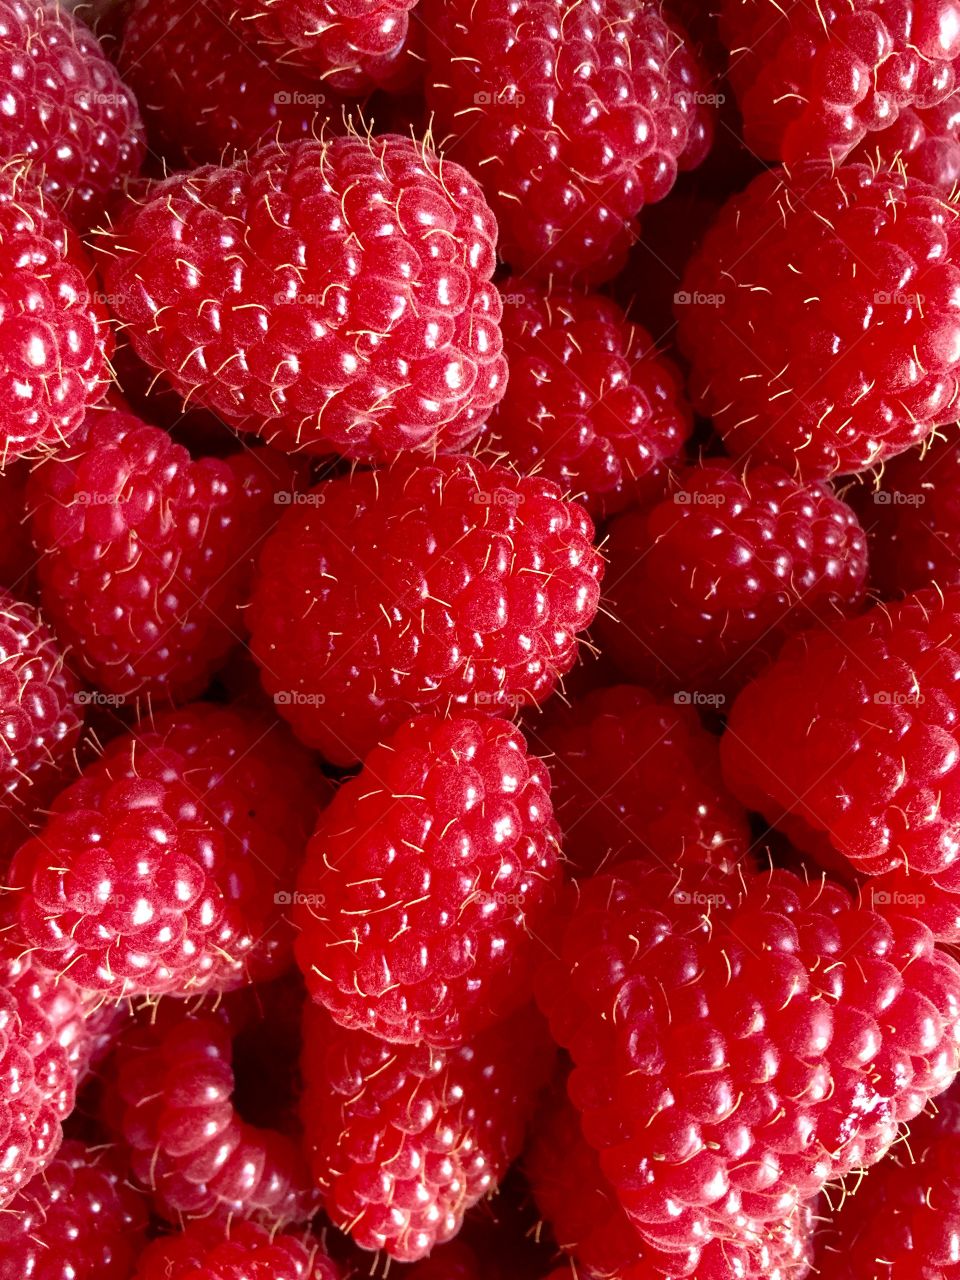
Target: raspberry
x=635, y=776
x=65, y=108
x=589, y=405
x=741, y=1040
x=454, y=1261
x=377, y=944
x=147, y=556
x=925, y=140
x=420, y=588
x=384, y=338
x=403, y=1140
x=833, y=341
x=77, y=1220
x=240, y=1251
x=164, y=867
x=704, y=586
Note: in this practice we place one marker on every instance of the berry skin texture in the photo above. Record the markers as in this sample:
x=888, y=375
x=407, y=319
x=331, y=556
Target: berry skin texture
x=404, y=1139
x=741, y=1040
x=925, y=140
x=703, y=587
x=572, y=117
x=385, y=338
x=77, y=1220
x=422, y=588
x=240, y=1251
x=636, y=776
x=438, y=943
x=833, y=343
x=589, y=404
x=163, y=868
x=146, y=556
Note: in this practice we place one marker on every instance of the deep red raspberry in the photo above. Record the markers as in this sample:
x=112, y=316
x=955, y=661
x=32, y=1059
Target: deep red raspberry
x=703, y=587
x=166, y=866
x=77, y=1220
x=17, y=558
x=240, y=1251
x=741, y=1040
x=404, y=1139
x=146, y=556
x=456, y=1261
x=926, y=140
x=572, y=117
x=327, y=294
x=420, y=588
x=589, y=403
x=821, y=317
x=638, y=776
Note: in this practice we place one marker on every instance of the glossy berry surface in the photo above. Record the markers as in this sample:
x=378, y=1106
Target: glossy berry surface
x=329, y=295
x=165, y=866
x=821, y=317
x=589, y=404
x=926, y=140
x=573, y=116
x=452, y=585
x=240, y=1251
x=703, y=586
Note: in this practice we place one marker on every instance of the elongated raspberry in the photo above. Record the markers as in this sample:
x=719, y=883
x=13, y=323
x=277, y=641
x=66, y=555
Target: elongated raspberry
x=329, y=294
x=420, y=588
x=589, y=404
x=704, y=586
x=404, y=1139
x=741, y=1040
x=240, y=1251
x=821, y=317
x=165, y=867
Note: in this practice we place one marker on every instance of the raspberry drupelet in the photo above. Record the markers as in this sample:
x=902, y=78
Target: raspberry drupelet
x=925, y=140
x=703, y=586
x=821, y=317
x=330, y=294
x=238, y=1251
x=427, y=882
x=589, y=404
x=455, y=585
x=573, y=117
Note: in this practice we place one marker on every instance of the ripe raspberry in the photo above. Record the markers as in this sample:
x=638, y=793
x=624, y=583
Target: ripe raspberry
x=164, y=867
x=239, y=1251
x=573, y=117
x=328, y=294
x=823, y=317
x=589, y=404
x=146, y=556
x=925, y=140
x=438, y=947
x=403, y=1140
x=704, y=586
x=635, y=776
x=739, y=1041
x=420, y=588
x=77, y=1220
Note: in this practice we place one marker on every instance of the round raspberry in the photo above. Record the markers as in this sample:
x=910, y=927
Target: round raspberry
x=238, y=1251
x=589, y=404
x=926, y=140
x=437, y=946
x=420, y=588
x=704, y=586
x=741, y=1040
x=821, y=317
x=633, y=775
x=572, y=117
x=77, y=1220
x=166, y=865
x=404, y=1139
x=328, y=294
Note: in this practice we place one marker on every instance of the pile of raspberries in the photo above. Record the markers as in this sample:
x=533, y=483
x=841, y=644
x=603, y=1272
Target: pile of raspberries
x=480, y=640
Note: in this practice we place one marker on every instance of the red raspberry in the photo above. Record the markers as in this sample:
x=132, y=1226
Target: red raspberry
x=239, y=1251
x=821, y=317
x=741, y=1040
x=404, y=1139
x=925, y=140
x=165, y=866
x=328, y=294
x=146, y=556
x=420, y=588
x=704, y=586
x=65, y=108
x=636, y=776
x=77, y=1220
x=589, y=404
x=573, y=117
x=438, y=947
